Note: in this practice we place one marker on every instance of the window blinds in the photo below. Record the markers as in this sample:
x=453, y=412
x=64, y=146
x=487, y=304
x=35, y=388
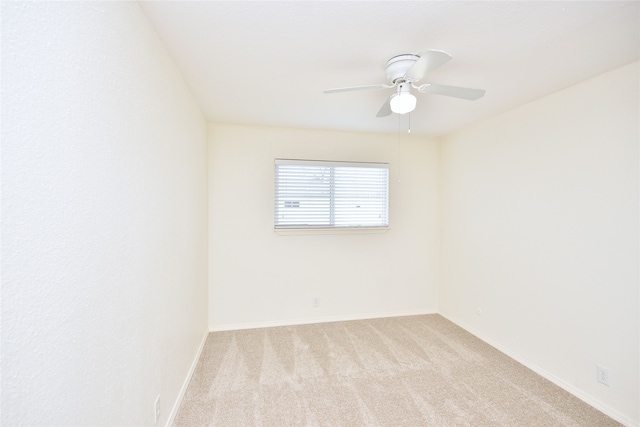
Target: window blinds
x=321, y=194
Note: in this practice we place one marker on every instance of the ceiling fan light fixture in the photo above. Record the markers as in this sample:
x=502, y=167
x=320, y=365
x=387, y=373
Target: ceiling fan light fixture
x=402, y=103
x=403, y=71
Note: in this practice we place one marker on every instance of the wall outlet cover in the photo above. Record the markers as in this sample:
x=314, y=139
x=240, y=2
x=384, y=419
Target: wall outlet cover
x=156, y=410
x=602, y=375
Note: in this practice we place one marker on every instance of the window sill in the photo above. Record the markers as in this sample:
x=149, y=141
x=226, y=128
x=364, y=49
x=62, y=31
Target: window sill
x=345, y=230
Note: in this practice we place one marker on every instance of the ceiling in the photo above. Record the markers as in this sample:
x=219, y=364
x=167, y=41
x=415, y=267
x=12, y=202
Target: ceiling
x=267, y=63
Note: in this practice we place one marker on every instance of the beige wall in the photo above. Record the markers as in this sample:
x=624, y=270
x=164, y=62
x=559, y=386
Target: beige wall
x=258, y=277
x=540, y=231
x=104, y=217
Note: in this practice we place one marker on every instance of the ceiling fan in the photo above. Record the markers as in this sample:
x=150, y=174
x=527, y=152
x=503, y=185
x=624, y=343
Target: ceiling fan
x=403, y=71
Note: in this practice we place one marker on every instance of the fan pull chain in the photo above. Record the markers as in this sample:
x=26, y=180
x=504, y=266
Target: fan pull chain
x=398, y=145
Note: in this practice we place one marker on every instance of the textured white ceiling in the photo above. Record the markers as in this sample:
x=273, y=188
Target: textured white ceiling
x=268, y=62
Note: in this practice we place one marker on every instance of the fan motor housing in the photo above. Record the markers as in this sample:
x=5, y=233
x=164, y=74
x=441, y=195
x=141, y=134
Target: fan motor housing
x=398, y=66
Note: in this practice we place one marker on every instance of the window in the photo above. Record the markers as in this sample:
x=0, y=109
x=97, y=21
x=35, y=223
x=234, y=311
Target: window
x=315, y=194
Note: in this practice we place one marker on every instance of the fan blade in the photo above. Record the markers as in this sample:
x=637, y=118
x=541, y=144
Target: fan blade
x=386, y=108
x=350, y=88
x=429, y=61
x=455, y=91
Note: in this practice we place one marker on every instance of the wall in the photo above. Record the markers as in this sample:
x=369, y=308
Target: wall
x=540, y=231
x=258, y=277
x=104, y=217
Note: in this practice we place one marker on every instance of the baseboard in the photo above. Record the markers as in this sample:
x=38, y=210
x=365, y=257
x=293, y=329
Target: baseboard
x=185, y=384
x=324, y=319
x=605, y=409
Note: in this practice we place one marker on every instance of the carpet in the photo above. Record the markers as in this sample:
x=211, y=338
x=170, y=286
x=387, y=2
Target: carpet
x=401, y=371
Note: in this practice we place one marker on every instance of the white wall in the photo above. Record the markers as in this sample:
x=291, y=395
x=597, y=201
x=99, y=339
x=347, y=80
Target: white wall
x=104, y=217
x=258, y=277
x=540, y=230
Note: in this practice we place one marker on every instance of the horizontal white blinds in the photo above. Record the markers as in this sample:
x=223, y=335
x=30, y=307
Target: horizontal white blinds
x=331, y=194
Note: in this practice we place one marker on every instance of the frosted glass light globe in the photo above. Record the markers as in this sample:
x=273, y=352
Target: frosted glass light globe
x=403, y=102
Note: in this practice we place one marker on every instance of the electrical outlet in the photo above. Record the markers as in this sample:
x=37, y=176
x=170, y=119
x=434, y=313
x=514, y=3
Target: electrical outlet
x=602, y=374
x=316, y=302
x=156, y=410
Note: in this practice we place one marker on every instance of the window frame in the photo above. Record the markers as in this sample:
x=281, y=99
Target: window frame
x=329, y=228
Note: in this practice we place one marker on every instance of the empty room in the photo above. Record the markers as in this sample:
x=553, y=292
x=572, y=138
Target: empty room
x=320, y=213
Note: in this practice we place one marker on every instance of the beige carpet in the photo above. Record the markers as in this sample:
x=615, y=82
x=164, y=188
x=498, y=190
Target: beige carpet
x=401, y=371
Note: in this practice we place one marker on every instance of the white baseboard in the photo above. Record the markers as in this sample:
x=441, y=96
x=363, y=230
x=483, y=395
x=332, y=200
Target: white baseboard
x=185, y=384
x=605, y=409
x=325, y=319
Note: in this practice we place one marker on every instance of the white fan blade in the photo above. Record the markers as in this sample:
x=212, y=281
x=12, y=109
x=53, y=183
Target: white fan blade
x=455, y=91
x=350, y=88
x=429, y=61
x=386, y=108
